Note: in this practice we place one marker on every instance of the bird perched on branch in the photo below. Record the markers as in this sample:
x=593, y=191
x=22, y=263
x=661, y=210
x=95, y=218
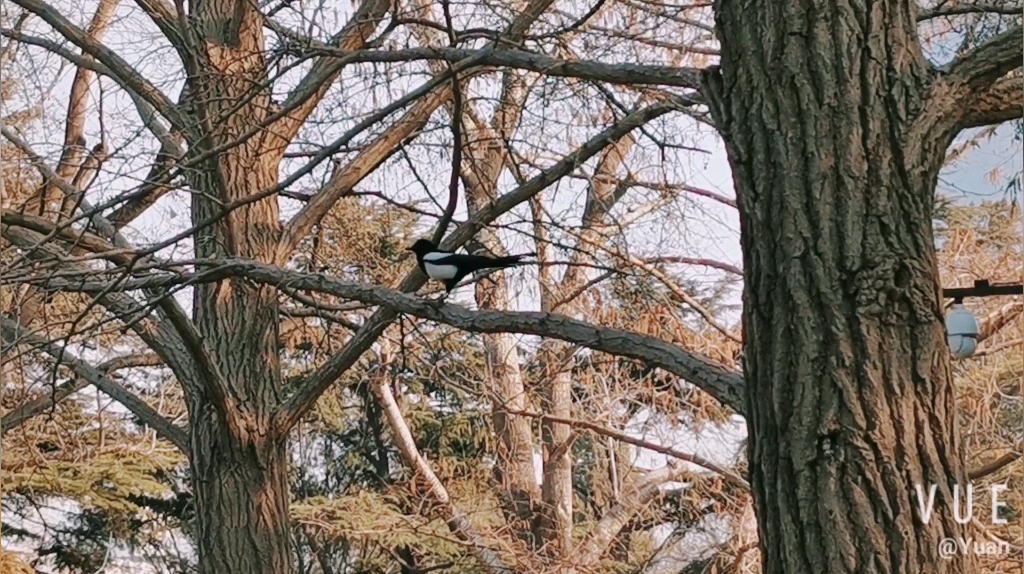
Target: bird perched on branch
x=450, y=268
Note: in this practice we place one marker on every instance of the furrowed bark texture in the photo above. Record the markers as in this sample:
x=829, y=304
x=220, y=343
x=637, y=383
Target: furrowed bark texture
x=240, y=467
x=850, y=402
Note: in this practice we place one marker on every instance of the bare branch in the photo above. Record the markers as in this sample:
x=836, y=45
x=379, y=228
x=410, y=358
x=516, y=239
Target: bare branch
x=962, y=8
x=697, y=261
x=406, y=444
x=163, y=14
x=78, y=105
x=386, y=145
x=14, y=334
x=456, y=127
x=637, y=495
x=315, y=384
x=602, y=430
x=311, y=89
x=121, y=71
x=14, y=418
x=591, y=70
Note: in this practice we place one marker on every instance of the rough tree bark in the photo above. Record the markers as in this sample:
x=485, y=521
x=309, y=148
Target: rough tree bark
x=836, y=127
x=239, y=466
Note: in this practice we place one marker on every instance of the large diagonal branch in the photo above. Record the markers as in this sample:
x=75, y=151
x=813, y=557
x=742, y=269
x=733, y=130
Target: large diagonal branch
x=455, y=519
x=972, y=90
x=981, y=67
x=73, y=154
x=312, y=88
x=15, y=334
x=171, y=334
x=1003, y=102
x=636, y=497
x=121, y=71
x=14, y=418
x=315, y=384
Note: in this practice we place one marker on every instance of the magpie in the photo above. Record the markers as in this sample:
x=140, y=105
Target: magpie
x=450, y=268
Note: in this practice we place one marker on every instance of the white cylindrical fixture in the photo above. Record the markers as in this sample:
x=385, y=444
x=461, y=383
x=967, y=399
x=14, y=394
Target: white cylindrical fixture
x=961, y=331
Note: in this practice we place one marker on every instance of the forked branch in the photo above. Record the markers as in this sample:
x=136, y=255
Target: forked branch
x=121, y=71
x=15, y=334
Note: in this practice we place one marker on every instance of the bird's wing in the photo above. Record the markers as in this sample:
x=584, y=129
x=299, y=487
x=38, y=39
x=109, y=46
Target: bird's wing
x=457, y=259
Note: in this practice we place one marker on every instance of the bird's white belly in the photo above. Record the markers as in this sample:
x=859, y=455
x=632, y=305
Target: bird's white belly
x=440, y=271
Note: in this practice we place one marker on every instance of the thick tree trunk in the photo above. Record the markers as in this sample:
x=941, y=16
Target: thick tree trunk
x=241, y=494
x=850, y=403
x=240, y=467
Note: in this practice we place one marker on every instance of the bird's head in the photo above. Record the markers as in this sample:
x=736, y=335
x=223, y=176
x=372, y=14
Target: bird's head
x=422, y=247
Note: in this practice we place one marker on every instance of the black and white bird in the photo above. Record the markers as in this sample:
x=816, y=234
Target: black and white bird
x=450, y=268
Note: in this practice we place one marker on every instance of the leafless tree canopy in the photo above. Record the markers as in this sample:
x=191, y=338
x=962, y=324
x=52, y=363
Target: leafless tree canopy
x=219, y=354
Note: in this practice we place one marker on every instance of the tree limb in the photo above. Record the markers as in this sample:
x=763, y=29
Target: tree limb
x=638, y=495
x=982, y=66
x=14, y=418
x=316, y=383
x=1003, y=102
x=591, y=70
x=406, y=444
x=14, y=334
x=602, y=430
x=718, y=381
x=964, y=8
x=122, y=72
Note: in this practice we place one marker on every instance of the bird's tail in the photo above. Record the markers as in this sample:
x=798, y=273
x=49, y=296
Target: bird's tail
x=511, y=260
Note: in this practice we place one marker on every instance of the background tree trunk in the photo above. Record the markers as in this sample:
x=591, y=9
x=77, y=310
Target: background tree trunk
x=850, y=402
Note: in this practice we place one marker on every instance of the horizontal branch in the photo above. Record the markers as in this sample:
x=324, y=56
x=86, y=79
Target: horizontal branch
x=723, y=384
x=602, y=430
x=14, y=334
x=592, y=70
x=964, y=8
